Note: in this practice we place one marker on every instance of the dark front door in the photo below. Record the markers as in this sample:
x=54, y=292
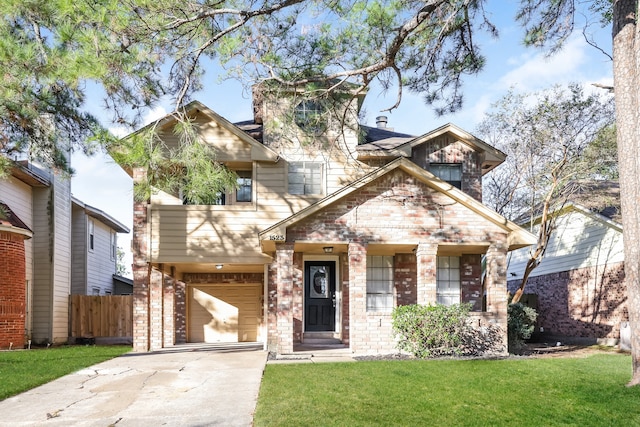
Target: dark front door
x=320, y=295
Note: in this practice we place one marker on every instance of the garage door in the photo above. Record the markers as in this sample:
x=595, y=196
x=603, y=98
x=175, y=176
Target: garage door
x=224, y=313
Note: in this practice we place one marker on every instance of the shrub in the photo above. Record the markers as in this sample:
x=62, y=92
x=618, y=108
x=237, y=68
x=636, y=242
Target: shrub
x=438, y=330
x=521, y=323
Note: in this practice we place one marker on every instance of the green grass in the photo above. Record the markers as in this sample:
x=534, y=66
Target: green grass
x=581, y=392
x=21, y=370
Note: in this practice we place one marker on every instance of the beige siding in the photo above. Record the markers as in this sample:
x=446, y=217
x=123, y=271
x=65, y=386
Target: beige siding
x=42, y=277
x=580, y=241
x=62, y=260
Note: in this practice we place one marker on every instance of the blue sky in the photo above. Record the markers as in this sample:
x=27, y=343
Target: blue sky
x=104, y=185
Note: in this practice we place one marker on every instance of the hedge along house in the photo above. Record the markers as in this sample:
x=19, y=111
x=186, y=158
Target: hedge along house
x=332, y=225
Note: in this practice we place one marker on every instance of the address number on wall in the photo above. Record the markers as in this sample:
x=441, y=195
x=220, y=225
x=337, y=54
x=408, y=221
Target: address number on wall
x=276, y=237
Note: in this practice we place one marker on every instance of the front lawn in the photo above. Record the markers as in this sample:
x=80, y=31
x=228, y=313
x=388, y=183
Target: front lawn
x=21, y=370
x=587, y=391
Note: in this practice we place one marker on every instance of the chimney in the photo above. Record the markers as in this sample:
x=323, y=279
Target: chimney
x=381, y=122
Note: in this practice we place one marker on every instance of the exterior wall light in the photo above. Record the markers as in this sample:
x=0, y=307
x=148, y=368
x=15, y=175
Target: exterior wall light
x=218, y=266
x=328, y=249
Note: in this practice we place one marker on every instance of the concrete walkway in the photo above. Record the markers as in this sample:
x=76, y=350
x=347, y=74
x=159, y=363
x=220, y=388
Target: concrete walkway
x=190, y=385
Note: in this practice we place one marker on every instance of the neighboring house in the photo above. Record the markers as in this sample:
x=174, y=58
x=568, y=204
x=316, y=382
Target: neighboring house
x=579, y=283
x=321, y=239
x=95, y=250
x=40, y=202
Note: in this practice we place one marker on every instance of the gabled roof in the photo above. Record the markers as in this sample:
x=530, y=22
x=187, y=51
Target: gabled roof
x=393, y=144
x=101, y=216
x=518, y=237
x=10, y=222
x=598, y=199
x=258, y=151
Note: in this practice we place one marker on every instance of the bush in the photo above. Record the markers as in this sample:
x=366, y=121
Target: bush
x=521, y=324
x=438, y=330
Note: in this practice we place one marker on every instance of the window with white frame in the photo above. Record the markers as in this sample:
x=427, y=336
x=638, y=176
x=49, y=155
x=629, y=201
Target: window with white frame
x=448, y=280
x=91, y=234
x=113, y=245
x=305, y=178
x=449, y=172
x=380, y=283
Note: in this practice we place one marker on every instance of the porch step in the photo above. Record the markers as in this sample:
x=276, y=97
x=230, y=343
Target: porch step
x=321, y=339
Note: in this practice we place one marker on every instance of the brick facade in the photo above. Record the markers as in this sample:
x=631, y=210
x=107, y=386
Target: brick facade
x=582, y=303
x=12, y=290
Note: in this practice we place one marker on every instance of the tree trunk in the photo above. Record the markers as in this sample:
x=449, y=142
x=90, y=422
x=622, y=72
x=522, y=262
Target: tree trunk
x=626, y=70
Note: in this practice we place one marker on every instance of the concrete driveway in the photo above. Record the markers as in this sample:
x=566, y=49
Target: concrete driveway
x=190, y=385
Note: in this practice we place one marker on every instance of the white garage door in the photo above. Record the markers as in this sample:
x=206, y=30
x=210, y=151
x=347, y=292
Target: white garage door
x=224, y=313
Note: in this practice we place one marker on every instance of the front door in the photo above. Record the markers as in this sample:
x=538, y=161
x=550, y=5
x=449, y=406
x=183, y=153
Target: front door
x=320, y=295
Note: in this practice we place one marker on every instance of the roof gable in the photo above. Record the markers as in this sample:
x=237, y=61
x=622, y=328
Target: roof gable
x=391, y=144
x=518, y=237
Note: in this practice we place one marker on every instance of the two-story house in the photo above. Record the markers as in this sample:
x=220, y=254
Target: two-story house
x=46, y=239
x=333, y=224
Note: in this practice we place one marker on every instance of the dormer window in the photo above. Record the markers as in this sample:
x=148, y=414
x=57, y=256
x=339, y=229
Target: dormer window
x=449, y=172
x=309, y=116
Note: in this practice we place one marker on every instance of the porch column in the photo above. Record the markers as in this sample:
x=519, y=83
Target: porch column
x=426, y=261
x=156, y=320
x=357, y=296
x=141, y=270
x=496, y=286
x=168, y=310
x=284, y=286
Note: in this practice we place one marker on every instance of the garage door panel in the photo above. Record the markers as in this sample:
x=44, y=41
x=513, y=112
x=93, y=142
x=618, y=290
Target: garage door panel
x=224, y=313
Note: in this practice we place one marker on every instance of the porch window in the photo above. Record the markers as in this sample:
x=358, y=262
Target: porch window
x=449, y=172
x=305, y=178
x=380, y=283
x=448, y=280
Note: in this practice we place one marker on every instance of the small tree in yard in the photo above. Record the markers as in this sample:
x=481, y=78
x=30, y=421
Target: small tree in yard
x=545, y=136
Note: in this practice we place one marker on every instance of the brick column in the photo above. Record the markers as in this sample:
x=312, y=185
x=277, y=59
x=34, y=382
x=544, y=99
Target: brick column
x=284, y=286
x=141, y=271
x=180, y=312
x=426, y=263
x=357, y=296
x=168, y=311
x=156, y=324
x=496, y=286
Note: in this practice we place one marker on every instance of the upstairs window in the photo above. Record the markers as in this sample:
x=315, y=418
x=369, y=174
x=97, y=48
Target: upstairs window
x=380, y=283
x=113, y=245
x=310, y=116
x=92, y=230
x=448, y=280
x=245, y=186
x=449, y=172
x=305, y=178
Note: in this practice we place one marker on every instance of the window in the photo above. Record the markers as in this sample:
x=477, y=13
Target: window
x=113, y=244
x=95, y=291
x=380, y=283
x=449, y=172
x=305, y=178
x=243, y=193
x=92, y=229
x=309, y=116
x=448, y=280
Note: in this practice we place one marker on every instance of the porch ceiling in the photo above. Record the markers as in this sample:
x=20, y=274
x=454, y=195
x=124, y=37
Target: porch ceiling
x=211, y=268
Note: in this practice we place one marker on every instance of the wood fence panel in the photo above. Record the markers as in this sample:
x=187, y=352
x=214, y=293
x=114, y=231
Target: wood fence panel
x=101, y=316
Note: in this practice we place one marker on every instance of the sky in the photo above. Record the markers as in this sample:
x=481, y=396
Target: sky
x=99, y=182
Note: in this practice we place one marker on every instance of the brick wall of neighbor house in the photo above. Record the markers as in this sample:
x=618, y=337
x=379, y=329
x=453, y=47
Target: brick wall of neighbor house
x=12, y=290
x=471, y=281
x=582, y=303
x=181, y=312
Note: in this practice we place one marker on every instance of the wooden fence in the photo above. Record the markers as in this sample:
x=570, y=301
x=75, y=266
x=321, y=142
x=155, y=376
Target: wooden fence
x=101, y=316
